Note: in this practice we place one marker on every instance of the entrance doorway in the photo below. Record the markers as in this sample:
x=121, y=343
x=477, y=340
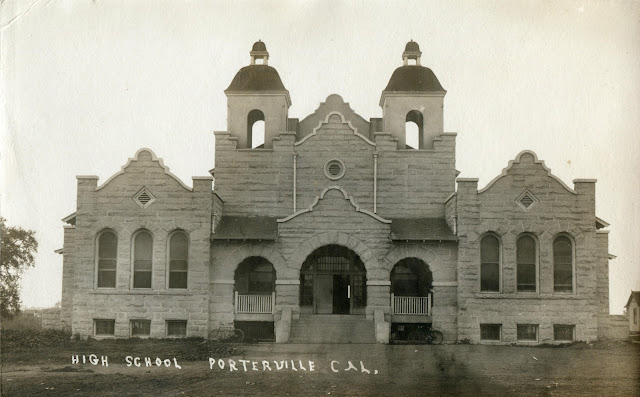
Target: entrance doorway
x=333, y=281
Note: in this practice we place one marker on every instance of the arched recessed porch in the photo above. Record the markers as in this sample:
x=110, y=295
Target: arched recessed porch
x=255, y=280
x=411, y=284
x=333, y=281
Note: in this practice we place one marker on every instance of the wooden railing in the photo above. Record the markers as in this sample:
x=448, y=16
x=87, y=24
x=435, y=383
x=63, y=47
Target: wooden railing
x=419, y=305
x=255, y=304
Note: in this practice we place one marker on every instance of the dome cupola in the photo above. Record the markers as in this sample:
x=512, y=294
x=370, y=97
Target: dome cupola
x=257, y=102
x=413, y=95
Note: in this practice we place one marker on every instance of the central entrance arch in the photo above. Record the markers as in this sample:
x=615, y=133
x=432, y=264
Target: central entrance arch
x=333, y=280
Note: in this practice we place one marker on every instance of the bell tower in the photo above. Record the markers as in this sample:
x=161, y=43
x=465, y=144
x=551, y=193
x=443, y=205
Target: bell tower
x=257, y=102
x=412, y=102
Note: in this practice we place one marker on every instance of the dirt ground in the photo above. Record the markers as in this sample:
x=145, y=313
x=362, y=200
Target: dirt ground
x=601, y=369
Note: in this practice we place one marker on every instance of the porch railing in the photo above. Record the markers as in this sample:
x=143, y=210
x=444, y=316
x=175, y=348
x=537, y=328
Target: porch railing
x=255, y=304
x=419, y=305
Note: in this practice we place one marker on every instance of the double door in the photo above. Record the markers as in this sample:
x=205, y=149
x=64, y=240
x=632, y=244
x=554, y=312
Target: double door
x=333, y=294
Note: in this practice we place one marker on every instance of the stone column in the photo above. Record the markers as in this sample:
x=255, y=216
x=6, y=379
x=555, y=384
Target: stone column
x=287, y=307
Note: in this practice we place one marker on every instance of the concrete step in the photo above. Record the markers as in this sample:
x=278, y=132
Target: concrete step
x=332, y=329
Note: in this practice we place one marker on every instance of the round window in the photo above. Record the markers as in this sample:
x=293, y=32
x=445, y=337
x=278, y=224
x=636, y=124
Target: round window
x=334, y=169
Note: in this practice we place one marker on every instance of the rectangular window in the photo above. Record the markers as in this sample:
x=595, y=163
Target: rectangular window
x=142, y=260
x=635, y=315
x=178, y=260
x=177, y=328
x=563, y=332
x=490, y=279
x=490, y=264
x=104, y=327
x=107, y=259
x=527, y=332
x=178, y=274
x=526, y=260
x=140, y=327
x=490, y=332
x=526, y=277
x=562, y=264
x=106, y=273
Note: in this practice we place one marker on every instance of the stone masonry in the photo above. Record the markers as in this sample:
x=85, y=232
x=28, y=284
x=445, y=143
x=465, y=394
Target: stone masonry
x=335, y=179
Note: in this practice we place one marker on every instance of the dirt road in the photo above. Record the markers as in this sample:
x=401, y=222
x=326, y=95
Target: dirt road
x=602, y=369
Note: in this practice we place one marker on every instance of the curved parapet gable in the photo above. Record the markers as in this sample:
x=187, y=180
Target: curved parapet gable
x=346, y=197
x=334, y=105
x=518, y=160
x=327, y=120
x=144, y=154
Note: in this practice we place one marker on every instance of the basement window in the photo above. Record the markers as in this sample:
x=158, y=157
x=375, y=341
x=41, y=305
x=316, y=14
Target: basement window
x=104, y=327
x=564, y=333
x=527, y=333
x=490, y=332
x=140, y=328
x=176, y=328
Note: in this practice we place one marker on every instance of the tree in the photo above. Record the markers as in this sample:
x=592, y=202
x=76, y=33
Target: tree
x=17, y=247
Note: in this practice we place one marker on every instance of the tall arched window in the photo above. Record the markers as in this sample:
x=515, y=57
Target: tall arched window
x=562, y=264
x=526, y=259
x=255, y=129
x=490, y=264
x=414, y=130
x=142, y=259
x=178, y=260
x=107, y=253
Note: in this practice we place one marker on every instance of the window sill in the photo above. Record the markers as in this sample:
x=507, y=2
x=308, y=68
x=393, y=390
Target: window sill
x=140, y=292
x=522, y=295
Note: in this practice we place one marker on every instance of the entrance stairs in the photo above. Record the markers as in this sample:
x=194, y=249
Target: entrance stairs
x=332, y=328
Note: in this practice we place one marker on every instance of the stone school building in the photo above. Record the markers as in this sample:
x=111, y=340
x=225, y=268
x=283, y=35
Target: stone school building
x=336, y=228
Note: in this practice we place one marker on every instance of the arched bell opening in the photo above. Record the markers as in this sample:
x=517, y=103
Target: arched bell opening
x=414, y=130
x=255, y=129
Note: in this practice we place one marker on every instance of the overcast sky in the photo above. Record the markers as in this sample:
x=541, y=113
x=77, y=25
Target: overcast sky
x=87, y=83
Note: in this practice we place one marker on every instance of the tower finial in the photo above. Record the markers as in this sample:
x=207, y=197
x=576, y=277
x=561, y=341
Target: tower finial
x=259, y=51
x=411, y=51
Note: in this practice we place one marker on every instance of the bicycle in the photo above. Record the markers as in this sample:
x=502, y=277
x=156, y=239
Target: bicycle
x=232, y=335
x=426, y=335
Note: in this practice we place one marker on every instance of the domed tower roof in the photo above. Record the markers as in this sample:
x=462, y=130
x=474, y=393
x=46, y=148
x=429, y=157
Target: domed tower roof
x=412, y=46
x=257, y=76
x=415, y=78
x=259, y=46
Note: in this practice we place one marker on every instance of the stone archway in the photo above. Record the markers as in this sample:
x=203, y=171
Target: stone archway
x=333, y=281
x=231, y=261
x=343, y=239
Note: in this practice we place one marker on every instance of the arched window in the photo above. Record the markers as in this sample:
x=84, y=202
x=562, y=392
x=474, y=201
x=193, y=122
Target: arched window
x=107, y=254
x=142, y=259
x=526, y=259
x=562, y=264
x=490, y=264
x=414, y=130
x=178, y=260
x=255, y=129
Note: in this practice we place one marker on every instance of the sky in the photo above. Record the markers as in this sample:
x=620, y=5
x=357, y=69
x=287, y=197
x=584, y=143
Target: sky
x=85, y=84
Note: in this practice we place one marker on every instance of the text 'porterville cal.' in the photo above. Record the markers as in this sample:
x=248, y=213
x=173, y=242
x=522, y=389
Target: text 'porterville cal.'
x=230, y=365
